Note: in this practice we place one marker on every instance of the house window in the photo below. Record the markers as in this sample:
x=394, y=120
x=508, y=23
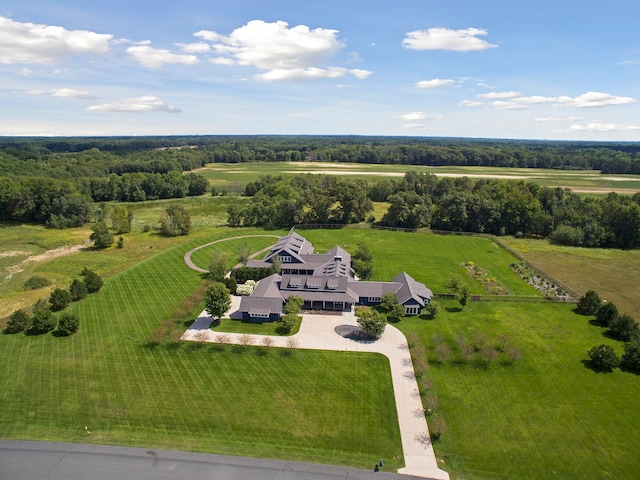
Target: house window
x=260, y=315
x=412, y=310
x=374, y=299
x=285, y=258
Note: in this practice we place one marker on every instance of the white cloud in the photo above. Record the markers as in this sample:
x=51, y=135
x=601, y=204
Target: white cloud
x=155, y=57
x=517, y=101
x=412, y=116
x=435, y=83
x=45, y=44
x=465, y=40
x=602, y=127
x=283, y=53
x=144, y=104
x=64, y=92
x=197, y=47
x=556, y=119
x=414, y=126
x=471, y=103
x=594, y=99
x=494, y=95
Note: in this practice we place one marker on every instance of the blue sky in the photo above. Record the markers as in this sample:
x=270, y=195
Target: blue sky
x=464, y=68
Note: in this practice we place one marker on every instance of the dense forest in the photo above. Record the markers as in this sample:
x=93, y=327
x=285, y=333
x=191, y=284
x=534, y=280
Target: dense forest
x=55, y=181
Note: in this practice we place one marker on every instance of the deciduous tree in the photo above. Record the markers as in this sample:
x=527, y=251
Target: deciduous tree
x=217, y=300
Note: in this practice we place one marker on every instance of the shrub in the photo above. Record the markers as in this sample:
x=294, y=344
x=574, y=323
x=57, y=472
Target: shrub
x=606, y=314
x=625, y=328
x=18, y=322
x=43, y=320
x=432, y=308
x=288, y=321
x=59, y=299
x=567, y=235
x=631, y=357
x=78, y=290
x=35, y=282
x=603, y=358
x=101, y=237
x=589, y=303
x=68, y=323
x=92, y=280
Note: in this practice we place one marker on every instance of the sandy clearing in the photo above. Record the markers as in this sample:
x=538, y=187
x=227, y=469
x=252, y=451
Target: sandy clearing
x=56, y=252
x=13, y=253
x=622, y=191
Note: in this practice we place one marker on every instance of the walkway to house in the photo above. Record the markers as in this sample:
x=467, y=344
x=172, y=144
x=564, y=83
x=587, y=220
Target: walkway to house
x=317, y=332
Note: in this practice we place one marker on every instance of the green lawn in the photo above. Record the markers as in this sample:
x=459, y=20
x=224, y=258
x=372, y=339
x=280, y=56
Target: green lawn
x=428, y=258
x=546, y=416
x=230, y=249
x=322, y=407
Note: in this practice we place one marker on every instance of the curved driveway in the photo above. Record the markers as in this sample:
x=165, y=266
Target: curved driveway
x=193, y=266
x=317, y=332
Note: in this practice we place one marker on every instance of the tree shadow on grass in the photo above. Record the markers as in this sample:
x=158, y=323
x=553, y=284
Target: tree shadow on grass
x=453, y=309
x=588, y=364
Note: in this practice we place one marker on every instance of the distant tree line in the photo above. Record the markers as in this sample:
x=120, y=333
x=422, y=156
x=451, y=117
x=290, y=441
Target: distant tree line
x=422, y=200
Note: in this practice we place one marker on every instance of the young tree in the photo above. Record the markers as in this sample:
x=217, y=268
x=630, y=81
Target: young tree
x=362, y=262
x=388, y=300
x=218, y=266
x=589, y=303
x=631, y=357
x=78, y=290
x=603, y=358
x=625, y=328
x=234, y=215
x=463, y=295
x=432, y=308
x=101, y=237
x=606, y=314
x=68, y=323
x=59, y=299
x=42, y=320
x=293, y=304
x=18, y=322
x=243, y=253
x=175, y=221
x=371, y=321
x=121, y=219
x=217, y=300
x=288, y=321
x=92, y=280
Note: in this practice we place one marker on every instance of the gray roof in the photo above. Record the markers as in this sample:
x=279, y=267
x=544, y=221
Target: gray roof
x=293, y=244
x=254, y=305
x=411, y=289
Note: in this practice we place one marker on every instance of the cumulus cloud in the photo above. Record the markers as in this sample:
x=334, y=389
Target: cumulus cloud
x=471, y=103
x=45, y=44
x=412, y=116
x=197, y=47
x=65, y=93
x=155, y=57
x=296, y=53
x=515, y=100
x=494, y=95
x=465, y=40
x=144, y=104
x=602, y=127
x=435, y=83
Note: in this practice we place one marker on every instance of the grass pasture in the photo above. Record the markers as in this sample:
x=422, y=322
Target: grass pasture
x=547, y=415
x=234, y=176
x=322, y=407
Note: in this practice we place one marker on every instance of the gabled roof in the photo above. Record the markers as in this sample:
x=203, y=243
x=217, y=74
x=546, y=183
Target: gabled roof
x=411, y=290
x=294, y=244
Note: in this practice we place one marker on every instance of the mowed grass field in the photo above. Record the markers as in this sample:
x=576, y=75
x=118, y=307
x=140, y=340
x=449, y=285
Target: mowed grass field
x=233, y=176
x=324, y=407
x=614, y=274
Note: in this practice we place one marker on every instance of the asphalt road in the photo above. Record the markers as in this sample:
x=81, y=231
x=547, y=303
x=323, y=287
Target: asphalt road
x=24, y=460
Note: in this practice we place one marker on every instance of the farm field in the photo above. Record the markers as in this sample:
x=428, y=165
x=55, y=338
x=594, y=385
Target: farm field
x=614, y=274
x=234, y=176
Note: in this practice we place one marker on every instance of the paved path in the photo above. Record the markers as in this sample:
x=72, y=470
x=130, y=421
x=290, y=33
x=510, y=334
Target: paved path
x=56, y=461
x=317, y=332
x=193, y=266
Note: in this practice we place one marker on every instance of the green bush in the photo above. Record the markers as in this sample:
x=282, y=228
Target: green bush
x=35, y=282
x=43, y=320
x=18, y=322
x=78, y=290
x=68, y=324
x=92, y=280
x=603, y=358
x=59, y=299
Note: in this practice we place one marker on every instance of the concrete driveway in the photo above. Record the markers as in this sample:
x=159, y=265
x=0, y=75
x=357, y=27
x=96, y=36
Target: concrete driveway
x=317, y=332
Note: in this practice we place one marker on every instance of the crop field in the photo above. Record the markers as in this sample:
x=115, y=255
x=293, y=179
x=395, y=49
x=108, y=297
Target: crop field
x=234, y=176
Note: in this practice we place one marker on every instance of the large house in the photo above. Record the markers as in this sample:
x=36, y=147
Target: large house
x=324, y=281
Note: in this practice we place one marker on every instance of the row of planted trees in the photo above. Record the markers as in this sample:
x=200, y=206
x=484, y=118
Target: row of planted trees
x=620, y=327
